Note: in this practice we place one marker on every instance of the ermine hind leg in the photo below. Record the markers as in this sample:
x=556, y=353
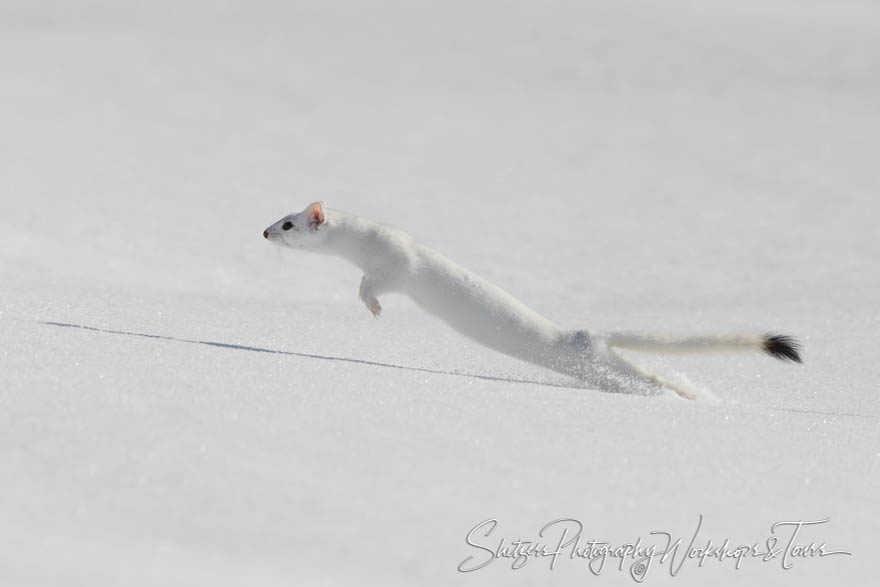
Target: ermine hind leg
x=631, y=370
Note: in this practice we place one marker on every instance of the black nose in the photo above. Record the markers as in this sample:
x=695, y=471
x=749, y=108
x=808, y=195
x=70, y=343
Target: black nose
x=265, y=234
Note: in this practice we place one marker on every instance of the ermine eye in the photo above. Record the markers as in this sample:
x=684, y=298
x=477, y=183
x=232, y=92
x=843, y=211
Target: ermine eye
x=287, y=225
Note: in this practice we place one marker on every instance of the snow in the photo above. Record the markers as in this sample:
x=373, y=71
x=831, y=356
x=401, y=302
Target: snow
x=661, y=166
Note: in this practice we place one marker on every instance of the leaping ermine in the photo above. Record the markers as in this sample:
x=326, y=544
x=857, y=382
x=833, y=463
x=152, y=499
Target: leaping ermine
x=392, y=261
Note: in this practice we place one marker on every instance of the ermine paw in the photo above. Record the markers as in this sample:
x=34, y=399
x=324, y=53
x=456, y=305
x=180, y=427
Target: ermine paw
x=374, y=306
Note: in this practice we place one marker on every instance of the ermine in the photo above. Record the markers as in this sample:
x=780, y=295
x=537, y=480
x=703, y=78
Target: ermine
x=392, y=261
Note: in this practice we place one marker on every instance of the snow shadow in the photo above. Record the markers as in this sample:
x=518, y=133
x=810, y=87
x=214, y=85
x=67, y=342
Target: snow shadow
x=254, y=349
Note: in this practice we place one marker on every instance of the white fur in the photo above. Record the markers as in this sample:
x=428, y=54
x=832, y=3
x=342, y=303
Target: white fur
x=392, y=261
x=668, y=344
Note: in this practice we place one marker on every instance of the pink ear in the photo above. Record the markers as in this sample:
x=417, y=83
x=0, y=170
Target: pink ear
x=315, y=214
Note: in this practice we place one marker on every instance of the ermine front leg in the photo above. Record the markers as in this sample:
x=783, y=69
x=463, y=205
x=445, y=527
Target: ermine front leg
x=367, y=293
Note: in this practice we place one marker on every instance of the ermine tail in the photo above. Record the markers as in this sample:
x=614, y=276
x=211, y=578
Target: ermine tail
x=780, y=346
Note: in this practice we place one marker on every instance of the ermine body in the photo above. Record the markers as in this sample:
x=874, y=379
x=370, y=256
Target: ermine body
x=392, y=261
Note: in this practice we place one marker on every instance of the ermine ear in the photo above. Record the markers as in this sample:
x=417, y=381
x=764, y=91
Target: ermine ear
x=315, y=214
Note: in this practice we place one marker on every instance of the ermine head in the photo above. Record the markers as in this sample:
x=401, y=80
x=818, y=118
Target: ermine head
x=303, y=230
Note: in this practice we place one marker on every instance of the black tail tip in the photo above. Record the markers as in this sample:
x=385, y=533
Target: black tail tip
x=782, y=347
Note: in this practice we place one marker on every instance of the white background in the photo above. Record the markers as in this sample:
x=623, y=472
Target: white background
x=676, y=166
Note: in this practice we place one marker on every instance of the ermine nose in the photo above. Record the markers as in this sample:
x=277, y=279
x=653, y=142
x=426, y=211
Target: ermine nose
x=265, y=234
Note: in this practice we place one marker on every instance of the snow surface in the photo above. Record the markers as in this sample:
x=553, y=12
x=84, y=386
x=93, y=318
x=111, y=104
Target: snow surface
x=673, y=166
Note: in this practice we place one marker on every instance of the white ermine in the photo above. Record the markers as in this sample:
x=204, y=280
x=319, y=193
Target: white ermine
x=392, y=261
